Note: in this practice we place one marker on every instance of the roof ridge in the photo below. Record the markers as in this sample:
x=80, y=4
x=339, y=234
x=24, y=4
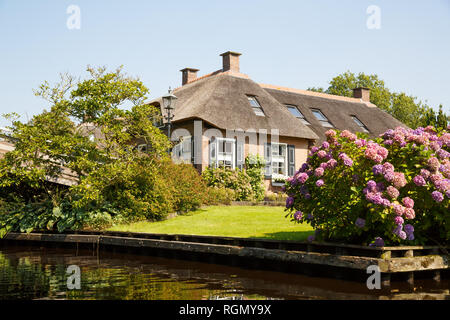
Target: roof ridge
x=219, y=72
x=312, y=93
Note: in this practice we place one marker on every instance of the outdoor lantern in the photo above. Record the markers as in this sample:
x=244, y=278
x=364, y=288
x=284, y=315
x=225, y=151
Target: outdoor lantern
x=169, y=100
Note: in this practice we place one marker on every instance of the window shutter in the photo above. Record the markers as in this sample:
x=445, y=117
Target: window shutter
x=240, y=154
x=193, y=150
x=268, y=159
x=212, y=153
x=186, y=149
x=291, y=160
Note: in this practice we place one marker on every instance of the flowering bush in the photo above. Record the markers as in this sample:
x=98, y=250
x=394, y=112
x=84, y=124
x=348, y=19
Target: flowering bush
x=391, y=190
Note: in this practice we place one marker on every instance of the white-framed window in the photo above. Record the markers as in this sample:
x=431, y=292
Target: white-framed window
x=297, y=113
x=256, y=106
x=182, y=151
x=360, y=124
x=222, y=153
x=279, y=158
x=322, y=119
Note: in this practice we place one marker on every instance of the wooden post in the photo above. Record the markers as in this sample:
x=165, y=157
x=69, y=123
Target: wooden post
x=386, y=280
x=409, y=253
x=437, y=276
x=410, y=278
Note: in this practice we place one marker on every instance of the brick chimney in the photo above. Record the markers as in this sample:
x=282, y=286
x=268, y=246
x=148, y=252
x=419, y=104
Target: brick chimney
x=230, y=61
x=362, y=93
x=188, y=75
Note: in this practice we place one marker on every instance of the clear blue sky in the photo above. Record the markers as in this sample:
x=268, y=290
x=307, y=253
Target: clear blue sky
x=296, y=44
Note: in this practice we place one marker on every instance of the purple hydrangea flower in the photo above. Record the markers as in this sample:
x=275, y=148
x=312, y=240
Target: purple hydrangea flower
x=318, y=172
x=398, y=220
x=425, y=173
x=348, y=162
x=360, y=223
x=321, y=154
x=398, y=229
x=298, y=215
x=389, y=176
x=437, y=196
x=302, y=177
x=392, y=192
x=379, y=242
x=320, y=183
x=419, y=181
x=408, y=228
x=289, y=202
x=402, y=235
x=377, y=169
x=408, y=202
x=443, y=154
x=371, y=184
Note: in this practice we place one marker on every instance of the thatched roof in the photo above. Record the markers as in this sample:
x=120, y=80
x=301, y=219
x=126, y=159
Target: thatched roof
x=221, y=99
x=337, y=109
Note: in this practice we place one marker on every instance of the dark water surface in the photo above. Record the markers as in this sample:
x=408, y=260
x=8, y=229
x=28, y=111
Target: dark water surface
x=28, y=272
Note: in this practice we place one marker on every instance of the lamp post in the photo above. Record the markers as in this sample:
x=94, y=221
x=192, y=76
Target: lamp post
x=169, y=102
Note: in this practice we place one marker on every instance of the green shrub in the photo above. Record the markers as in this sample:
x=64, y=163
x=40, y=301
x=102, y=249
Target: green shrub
x=246, y=184
x=254, y=167
x=237, y=180
x=189, y=189
x=276, y=197
x=142, y=190
x=219, y=195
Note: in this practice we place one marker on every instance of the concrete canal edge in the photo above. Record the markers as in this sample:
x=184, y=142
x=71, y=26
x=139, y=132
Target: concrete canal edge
x=328, y=259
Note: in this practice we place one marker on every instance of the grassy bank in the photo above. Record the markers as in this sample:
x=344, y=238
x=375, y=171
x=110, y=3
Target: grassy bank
x=230, y=221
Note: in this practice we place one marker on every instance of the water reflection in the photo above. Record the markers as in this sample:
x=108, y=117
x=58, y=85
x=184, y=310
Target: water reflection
x=40, y=273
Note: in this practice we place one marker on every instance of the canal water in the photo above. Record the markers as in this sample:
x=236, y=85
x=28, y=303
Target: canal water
x=30, y=272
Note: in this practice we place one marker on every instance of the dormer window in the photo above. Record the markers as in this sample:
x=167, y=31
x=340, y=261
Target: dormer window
x=296, y=113
x=360, y=124
x=321, y=118
x=256, y=106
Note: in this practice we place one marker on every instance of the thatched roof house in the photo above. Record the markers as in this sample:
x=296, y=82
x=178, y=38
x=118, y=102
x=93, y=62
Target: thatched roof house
x=286, y=122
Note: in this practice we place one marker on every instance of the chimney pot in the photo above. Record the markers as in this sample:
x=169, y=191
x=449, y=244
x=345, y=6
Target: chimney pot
x=188, y=75
x=230, y=61
x=362, y=93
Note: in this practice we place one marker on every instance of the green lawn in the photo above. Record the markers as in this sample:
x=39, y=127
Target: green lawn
x=230, y=221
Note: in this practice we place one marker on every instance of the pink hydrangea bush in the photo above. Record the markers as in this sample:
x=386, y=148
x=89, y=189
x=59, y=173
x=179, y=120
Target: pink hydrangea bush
x=391, y=190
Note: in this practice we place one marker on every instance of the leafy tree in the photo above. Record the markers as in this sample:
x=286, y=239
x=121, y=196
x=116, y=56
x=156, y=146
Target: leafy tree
x=439, y=120
x=405, y=108
x=111, y=178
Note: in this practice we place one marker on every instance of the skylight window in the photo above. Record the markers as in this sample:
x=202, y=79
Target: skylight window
x=322, y=119
x=360, y=124
x=296, y=113
x=255, y=106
